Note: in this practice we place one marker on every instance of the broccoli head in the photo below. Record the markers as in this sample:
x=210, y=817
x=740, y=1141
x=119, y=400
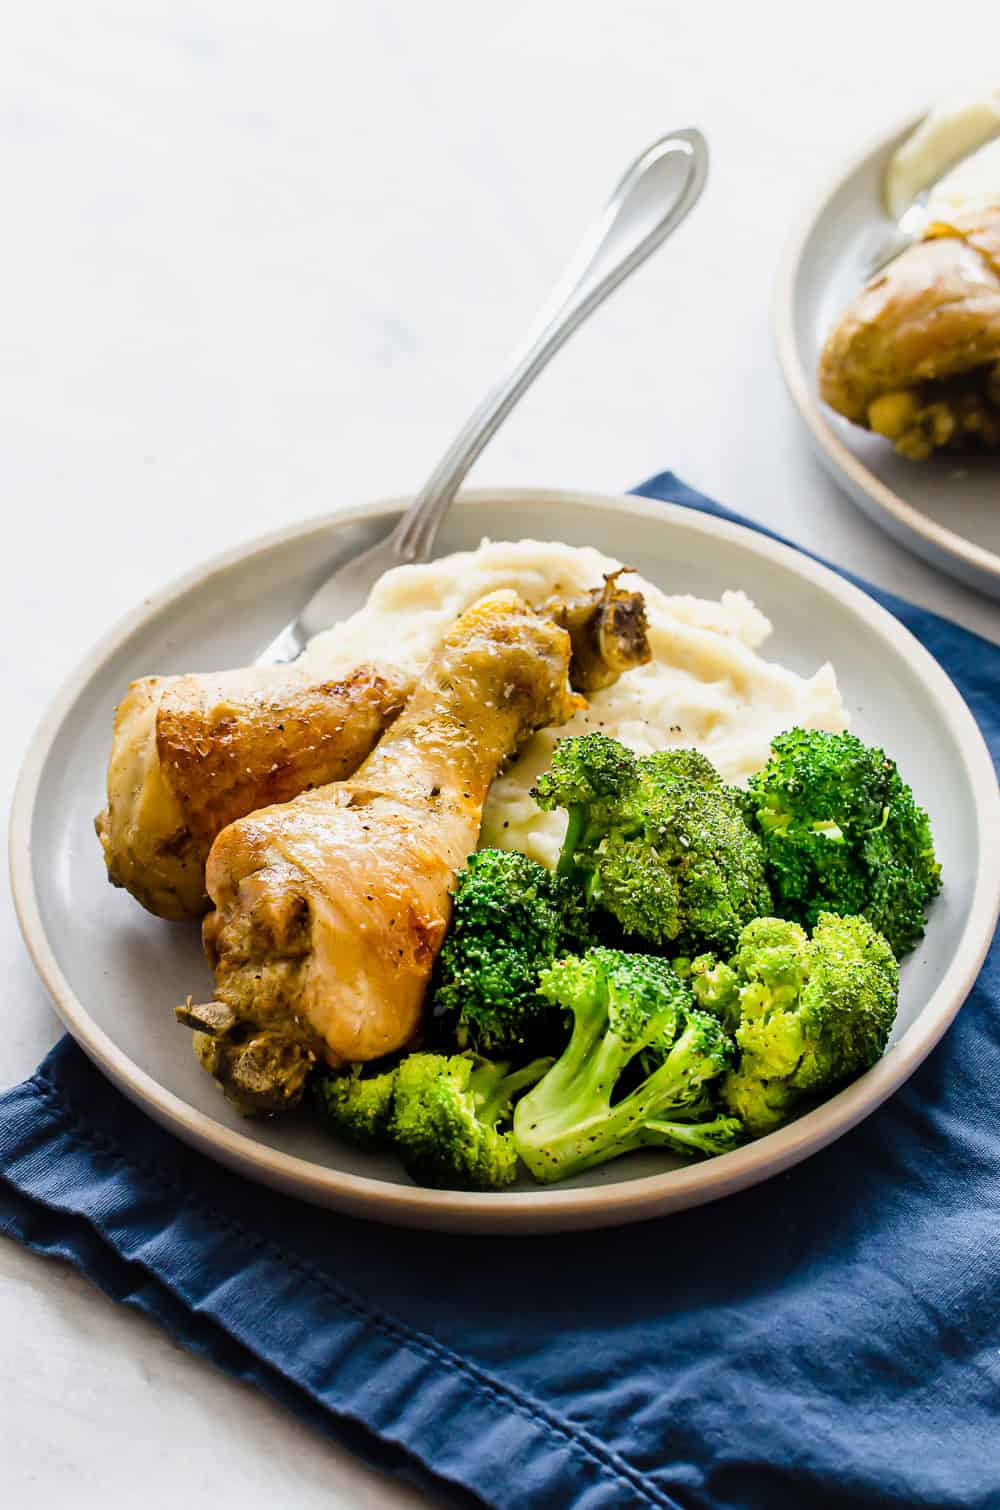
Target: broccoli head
x=511, y=918
x=657, y=841
x=808, y=1014
x=716, y=987
x=842, y=833
x=631, y=1012
x=357, y=1106
x=586, y=771
x=447, y=1114
x=443, y=1115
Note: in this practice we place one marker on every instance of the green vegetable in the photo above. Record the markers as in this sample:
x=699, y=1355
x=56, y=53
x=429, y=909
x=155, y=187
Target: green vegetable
x=716, y=988
x=808, y=1014
x=842, y=833
x=657, y=841
x=511, y=918
x=446, y=1117
x=357, y=1106
x=631, y=1012
x=443, y=1115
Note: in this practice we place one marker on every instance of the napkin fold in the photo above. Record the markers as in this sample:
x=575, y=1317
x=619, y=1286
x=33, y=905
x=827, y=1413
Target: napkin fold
x=828, y=1339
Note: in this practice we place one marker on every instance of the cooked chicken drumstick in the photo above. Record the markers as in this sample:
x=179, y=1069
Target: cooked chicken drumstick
x=916, y=356
x=193, y=753
x=330, y=910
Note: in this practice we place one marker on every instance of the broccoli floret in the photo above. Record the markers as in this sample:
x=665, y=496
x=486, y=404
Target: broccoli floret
x=842, y=833
x=447, y=1111
x=511, y=918
x=628, y=1010
x=586, y=771
x=657, y=841
x=808, y=1014
x=441, y=1114
x=357, y=1106
x=716, y=988
x=720, y=1135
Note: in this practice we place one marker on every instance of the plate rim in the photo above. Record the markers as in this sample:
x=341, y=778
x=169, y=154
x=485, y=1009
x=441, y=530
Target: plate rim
x=978, y=560
x=548, y=1208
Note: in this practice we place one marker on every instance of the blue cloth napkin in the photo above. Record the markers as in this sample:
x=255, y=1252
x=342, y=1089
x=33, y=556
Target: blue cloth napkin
x=831, y=1338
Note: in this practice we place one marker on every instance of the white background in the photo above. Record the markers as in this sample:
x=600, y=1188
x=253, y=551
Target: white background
x=259, y=260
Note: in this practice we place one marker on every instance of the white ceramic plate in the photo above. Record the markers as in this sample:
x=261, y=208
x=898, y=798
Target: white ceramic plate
x=115, y=973
x=946, y=509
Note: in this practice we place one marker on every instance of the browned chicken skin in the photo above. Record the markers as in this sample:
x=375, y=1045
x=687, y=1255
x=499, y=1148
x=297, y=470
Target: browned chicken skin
x=916, y=356
x=330, y=910
x=193, y=753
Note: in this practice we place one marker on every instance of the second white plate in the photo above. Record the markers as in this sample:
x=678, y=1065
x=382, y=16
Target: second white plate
x=946, y=509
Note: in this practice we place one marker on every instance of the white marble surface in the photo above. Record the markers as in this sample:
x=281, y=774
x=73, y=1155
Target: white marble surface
x=259, y=260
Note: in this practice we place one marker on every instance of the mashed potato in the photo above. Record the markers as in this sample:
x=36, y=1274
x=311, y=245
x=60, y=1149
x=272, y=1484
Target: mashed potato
x=706, y=685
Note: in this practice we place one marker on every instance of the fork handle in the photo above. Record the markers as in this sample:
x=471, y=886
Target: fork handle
x=656, y=194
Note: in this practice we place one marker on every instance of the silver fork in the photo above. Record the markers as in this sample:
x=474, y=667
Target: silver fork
x=655, y=195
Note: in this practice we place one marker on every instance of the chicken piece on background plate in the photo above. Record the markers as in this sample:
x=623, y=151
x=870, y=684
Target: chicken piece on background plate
x=916, y=355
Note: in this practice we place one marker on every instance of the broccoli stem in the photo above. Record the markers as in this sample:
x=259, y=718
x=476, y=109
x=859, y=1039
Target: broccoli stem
x=494, y=1088
x=715, y=1137
x=574, y=833
x=578, y=1131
